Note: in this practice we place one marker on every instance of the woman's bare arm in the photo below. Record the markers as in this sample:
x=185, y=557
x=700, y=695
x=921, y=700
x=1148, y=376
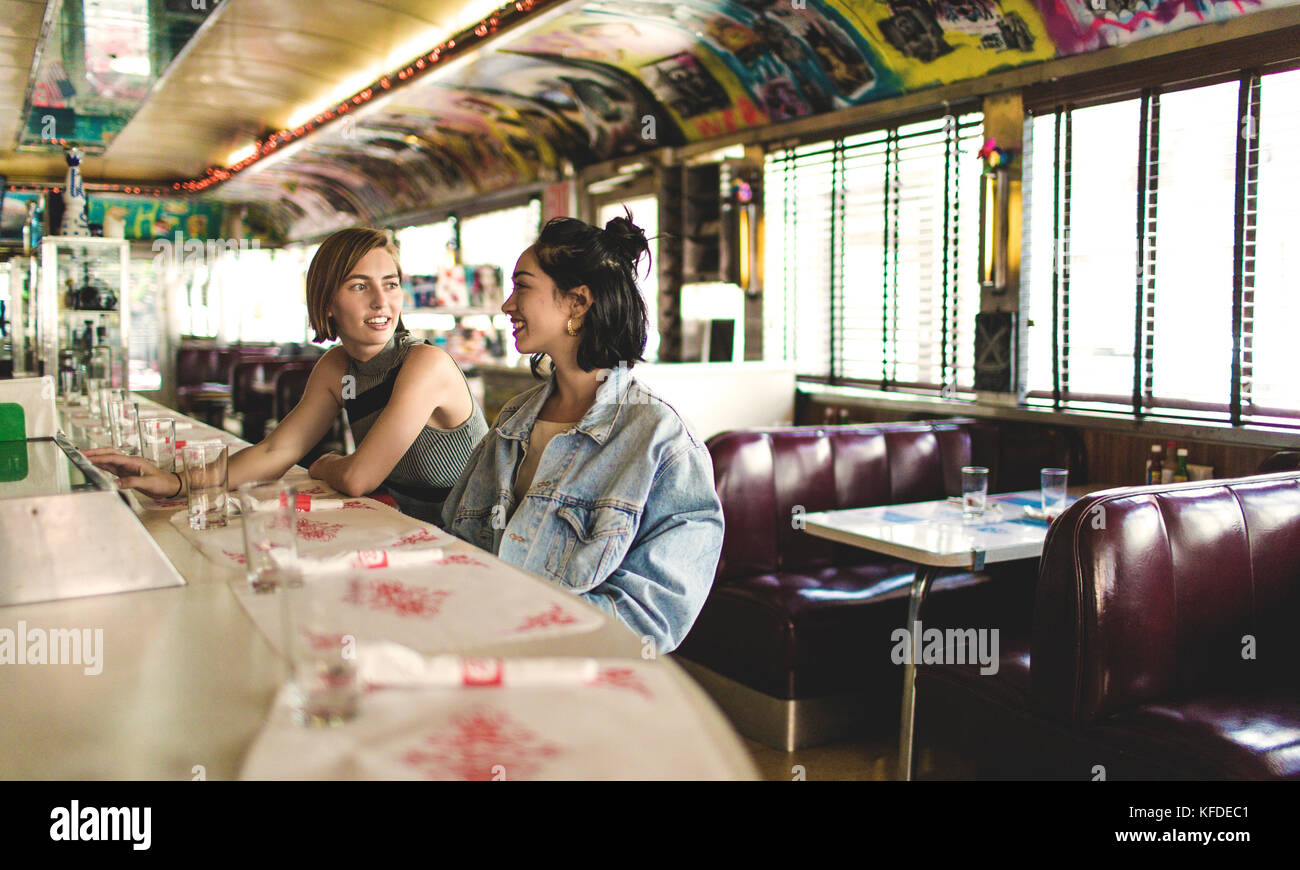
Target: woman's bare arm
x=429, y=380
x=300, y=430
x=297, y=433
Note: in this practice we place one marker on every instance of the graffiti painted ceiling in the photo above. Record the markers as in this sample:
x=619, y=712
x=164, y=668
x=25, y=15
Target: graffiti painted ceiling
x=600, y=79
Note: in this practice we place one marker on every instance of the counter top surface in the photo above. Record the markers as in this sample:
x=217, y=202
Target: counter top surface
x=187, y=678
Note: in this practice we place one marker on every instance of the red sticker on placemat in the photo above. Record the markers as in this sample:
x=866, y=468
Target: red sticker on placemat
x=373, y=558
x=481, y=672
x=301, y=501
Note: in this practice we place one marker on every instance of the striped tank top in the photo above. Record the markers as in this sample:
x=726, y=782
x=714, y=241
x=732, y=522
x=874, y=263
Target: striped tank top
x=425, y=474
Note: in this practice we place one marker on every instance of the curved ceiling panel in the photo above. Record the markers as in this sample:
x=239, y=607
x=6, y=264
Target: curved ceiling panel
x=575, y=82
x=607, y=78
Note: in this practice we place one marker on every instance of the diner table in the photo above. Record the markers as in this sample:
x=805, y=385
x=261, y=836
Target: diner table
x=935, y=536
x=191, y=678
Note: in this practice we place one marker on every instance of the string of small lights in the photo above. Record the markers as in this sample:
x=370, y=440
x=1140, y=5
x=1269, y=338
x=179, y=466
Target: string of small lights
x=51, y=187
x=462, y=42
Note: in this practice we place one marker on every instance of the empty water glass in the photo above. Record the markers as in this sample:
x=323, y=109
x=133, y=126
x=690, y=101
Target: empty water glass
x=93, y=385
x=270, y=539
x=103, y=397
x=320, y=639
x=158, y=441
x=1053, y=482
x=70, y=383
x=206, y=464
x=974, y=491
x=119, y=426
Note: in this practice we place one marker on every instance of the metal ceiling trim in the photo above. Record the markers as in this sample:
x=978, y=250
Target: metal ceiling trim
x=52, y=8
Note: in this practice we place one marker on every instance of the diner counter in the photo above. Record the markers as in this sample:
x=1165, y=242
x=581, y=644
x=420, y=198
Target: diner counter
x=188, y=678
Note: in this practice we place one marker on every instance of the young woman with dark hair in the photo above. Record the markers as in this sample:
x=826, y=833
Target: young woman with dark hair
x=408, y=403
x=590, y=479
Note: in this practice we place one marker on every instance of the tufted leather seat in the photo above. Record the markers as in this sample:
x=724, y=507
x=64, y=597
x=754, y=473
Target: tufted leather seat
x=205, y=375
x=794, y=619
x=1283, y=460
x=253, y=392
x=1163, y=644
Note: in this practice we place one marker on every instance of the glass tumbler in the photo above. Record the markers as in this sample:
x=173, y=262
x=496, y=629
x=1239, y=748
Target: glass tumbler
x=321, y=643
x=270, y=539
x=206, y=464
x=974, y=491
x=1053, y=483
x=158, y=441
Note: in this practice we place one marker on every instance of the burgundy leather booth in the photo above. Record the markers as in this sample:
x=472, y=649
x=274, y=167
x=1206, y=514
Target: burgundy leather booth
x=253, y=391
x=205, y=374
x=1164, y=644
x=794, y=640
x=1283, y=460
x=290, y=385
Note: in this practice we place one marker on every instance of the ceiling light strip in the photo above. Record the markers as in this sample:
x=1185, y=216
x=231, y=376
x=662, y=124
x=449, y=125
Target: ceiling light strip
x=123, y=189
x=465, y=40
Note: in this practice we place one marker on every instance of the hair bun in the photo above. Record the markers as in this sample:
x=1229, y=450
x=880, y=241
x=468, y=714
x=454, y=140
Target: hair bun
x=625, y=239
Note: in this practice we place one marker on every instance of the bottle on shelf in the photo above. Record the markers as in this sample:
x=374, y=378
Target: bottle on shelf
x=1181, y=474
x=1155, y=469
x=1167, y=470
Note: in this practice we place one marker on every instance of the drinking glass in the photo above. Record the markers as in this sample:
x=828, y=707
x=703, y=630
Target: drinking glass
x=70, y=383
x=115, y=428
x=93, y=385
x=125, y=425
x=320, y=644
x=104, y=396
x=206, y=464
x=270, y=540
x=158, y=441
x=1053, y=490
x=974, y=491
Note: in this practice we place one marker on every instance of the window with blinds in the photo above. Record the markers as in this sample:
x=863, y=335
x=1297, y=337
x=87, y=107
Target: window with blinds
x=1156, y=273
x=871, y=268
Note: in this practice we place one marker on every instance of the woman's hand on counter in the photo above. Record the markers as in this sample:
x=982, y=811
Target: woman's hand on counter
x=135, y=473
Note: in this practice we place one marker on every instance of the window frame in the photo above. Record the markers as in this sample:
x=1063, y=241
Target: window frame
x=780, y=159
x=1237, y=410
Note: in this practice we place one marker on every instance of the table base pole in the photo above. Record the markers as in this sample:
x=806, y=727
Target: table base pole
x=925, y=574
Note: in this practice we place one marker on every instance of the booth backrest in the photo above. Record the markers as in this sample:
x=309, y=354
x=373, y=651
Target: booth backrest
x=198, y=365
x=203, y=363
x=290, y=384
x=260, y=370
x=766, y=477
x=1152, y=593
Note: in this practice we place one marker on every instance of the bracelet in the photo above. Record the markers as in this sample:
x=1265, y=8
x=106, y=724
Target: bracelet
x=180, y=484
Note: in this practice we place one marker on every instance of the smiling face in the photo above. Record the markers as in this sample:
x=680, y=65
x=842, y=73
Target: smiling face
x=538, y=312
x=367, y=304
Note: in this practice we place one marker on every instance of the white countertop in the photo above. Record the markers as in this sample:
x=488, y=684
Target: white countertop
x=187, y=678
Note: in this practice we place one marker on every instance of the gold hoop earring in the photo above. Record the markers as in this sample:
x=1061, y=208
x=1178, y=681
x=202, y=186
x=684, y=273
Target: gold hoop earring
x=570, y=328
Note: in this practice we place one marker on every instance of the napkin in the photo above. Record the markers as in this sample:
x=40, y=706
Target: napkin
x=302, y=502
x=369, y=560
x=391, y=665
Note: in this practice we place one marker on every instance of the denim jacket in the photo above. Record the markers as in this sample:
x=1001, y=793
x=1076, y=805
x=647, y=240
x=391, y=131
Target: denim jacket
x=622, y=509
